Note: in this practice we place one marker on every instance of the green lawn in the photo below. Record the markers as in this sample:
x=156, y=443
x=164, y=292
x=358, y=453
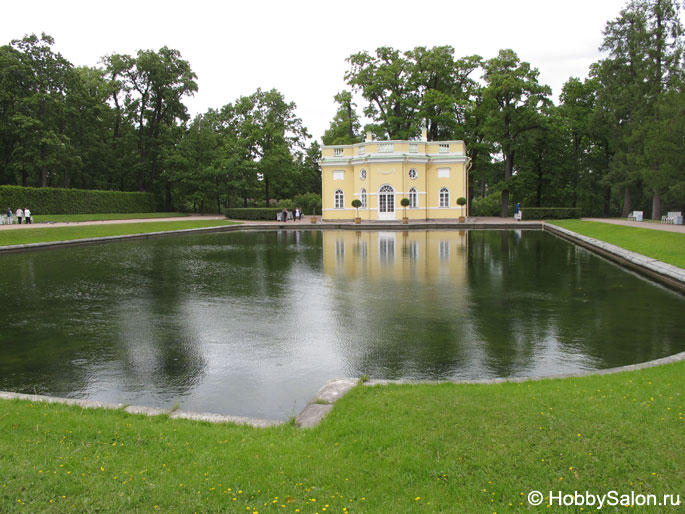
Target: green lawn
x=392, y=449
x=37, y=235
x=61, y=218
x=664, y=246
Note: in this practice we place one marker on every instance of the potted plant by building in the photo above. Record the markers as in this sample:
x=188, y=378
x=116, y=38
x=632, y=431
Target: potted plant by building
x=404, y=202
x=357, y=203
x=461, y=201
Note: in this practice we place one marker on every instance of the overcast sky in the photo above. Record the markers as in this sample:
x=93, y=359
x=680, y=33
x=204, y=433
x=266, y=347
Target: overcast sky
x=300, y=47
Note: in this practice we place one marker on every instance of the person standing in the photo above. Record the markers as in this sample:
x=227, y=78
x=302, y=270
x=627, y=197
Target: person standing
x=27, y=216
x=20, y=214
x=285, y=215
x=9, y=216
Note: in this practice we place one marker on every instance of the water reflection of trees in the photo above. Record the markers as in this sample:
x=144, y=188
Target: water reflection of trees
x=534, y=296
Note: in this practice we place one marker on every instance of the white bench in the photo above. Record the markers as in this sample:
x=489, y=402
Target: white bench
x=673, y=218
x=635, y=216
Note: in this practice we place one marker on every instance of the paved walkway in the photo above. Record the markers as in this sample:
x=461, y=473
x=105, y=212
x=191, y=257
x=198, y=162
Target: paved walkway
x=306, y=220
x=108, y=222
x=640, y=224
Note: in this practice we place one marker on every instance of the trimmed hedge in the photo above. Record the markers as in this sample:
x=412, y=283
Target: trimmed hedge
x=551, y=213
x=50, y=200
x=263, y=213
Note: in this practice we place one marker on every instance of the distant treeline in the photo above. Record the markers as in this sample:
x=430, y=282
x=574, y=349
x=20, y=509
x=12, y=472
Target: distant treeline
x=614, y=142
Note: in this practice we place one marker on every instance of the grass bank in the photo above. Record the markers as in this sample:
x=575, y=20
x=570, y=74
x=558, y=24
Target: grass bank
x=39, y=235
x=400, y=449
x=65, y=218
x=667, y=247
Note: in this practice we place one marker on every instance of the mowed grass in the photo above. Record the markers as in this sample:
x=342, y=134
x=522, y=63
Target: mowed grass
x=63, y=218
x=667, y=247
x=387, y=449
x=38, y=235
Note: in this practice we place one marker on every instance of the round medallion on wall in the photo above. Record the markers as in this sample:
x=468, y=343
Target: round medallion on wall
x=413, y=173
x=362, y=174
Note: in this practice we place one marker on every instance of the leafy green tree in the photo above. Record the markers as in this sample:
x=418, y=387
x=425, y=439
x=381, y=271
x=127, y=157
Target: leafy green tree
x=345, y=129
x=151, y=88
x=645, y=45
x=512, y=99
x=383, y=81
x=33, y=108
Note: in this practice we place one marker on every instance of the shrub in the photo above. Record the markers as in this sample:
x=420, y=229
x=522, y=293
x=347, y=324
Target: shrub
x=51, y=200
x=488, y=206
x=310, y=203
x=551, y=213
x=259, y=213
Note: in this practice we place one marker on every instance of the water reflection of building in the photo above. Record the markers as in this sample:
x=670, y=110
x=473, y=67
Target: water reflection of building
x=426, y=256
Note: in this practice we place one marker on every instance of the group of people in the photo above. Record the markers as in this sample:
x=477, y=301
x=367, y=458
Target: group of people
x=297, y=214
x=22, y=214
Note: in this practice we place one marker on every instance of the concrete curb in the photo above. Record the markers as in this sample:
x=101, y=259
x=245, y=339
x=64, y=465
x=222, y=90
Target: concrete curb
x=666, y=274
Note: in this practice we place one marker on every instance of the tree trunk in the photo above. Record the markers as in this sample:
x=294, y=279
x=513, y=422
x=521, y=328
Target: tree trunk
x=266, y=190
x=508, y=172
x=505, y=203
x=626, y=203
x=43, y=167
x=167, y=203
x=656, y=206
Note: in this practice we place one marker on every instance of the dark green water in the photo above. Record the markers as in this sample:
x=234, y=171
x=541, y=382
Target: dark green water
x=253, y=323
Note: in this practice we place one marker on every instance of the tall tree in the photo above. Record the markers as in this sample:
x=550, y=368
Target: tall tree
x=512, y=100
x=383, y=81
x=37, y=107
x=154, y=85
x=345, y=129
x=645, y=45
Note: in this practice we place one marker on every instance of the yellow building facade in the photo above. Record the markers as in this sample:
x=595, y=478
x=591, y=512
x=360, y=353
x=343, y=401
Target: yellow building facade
x=432, y=175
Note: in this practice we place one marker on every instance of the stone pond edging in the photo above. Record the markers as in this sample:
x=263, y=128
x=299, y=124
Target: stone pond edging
x=666, y=274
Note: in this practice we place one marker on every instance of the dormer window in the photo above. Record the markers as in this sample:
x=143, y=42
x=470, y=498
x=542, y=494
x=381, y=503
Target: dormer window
x=338, y=152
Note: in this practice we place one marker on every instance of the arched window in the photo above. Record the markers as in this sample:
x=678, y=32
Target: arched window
x=413, y=198
x=339, y=199
x=444, y=197
x=386, y=199
x=363, y=195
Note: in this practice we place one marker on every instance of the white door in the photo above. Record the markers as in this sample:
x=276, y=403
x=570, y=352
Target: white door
x=386, y=203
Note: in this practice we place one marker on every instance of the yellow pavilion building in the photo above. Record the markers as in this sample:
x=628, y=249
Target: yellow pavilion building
x=431, y=174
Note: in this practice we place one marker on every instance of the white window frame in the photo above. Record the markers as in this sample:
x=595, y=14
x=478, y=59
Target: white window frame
x=443, y=197
x=414, y=172
x=339, y=199
x=413, y=198
x=362, y=195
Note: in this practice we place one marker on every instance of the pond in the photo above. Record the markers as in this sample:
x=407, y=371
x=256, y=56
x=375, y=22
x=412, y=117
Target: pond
x=254, y=323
